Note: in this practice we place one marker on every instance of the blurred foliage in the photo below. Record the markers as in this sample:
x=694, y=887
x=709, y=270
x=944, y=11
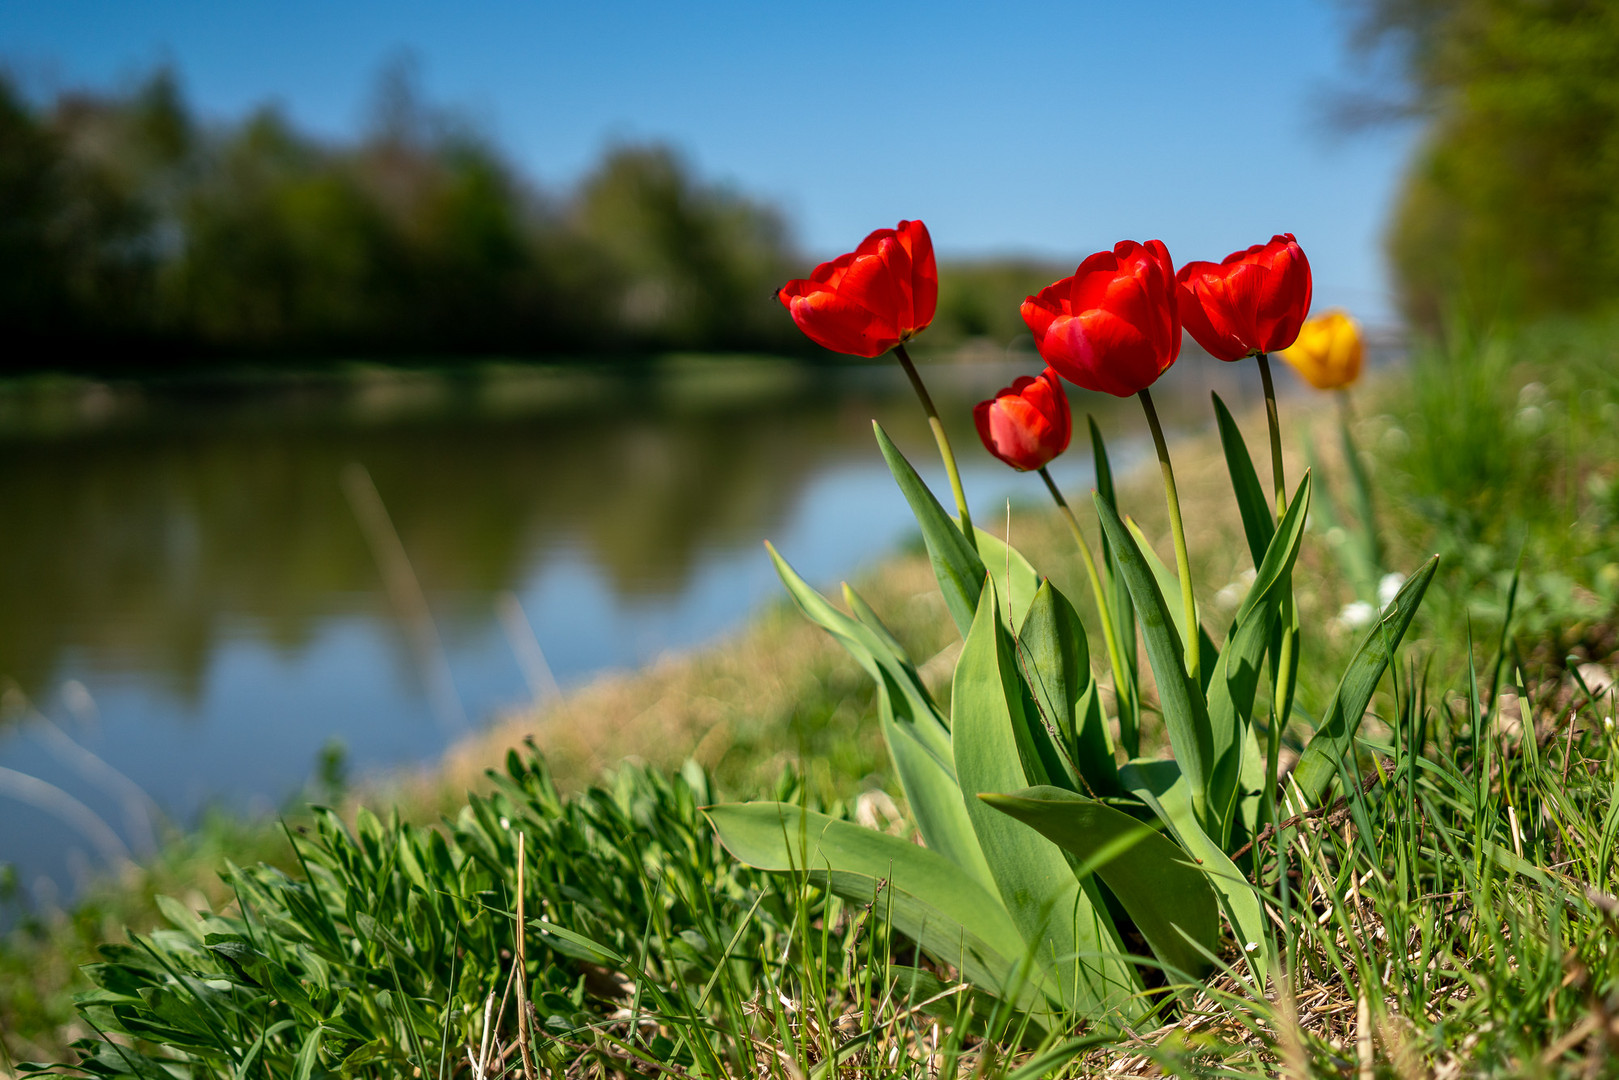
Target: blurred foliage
x=980, y=301
x=1511, y=207
x=1498, y=452
x=132, y=234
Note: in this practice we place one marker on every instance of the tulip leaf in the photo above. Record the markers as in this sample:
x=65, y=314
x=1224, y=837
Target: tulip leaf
x=957, y=566
x=1185, y=712
x=1236, y=676
x=1066, y=928
x=1362, y=488
x=1318, y=765
x=1166, y=894
x=871, y=650
x=1128, y=696
x=1163, y=787
x=1251, y=785
x=867, y=617
x=912, y=725
x=1056, y=664
x=1258, y=512
x=954, y=918
x=1170, y=585
x=931, y=789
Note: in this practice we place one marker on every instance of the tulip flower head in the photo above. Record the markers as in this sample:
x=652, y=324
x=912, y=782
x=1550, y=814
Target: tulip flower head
x=1114, y=325
x=1329, y=351
x=866, y=302
x=1252, y=302
x=1028, y=423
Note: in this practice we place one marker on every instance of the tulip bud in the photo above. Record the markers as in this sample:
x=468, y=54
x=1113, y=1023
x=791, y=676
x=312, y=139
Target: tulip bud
x=1329, y=351
x=1026, y=424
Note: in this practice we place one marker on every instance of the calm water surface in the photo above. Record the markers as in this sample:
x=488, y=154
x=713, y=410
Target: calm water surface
x=202, y=589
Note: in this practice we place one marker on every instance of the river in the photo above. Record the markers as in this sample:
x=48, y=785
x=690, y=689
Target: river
x=209, y=588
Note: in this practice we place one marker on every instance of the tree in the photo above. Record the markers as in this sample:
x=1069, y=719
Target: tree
x=1511, y=207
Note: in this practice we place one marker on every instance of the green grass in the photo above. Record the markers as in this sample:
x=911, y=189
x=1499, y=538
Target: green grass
x=1454, y=914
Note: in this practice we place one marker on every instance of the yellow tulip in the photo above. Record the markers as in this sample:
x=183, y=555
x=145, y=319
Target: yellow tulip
x=1328, y=352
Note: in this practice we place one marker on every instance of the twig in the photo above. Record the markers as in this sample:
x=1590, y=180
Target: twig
x=1568, y=750
x=522, y=973
x=625, y=1054
x=1270, y=830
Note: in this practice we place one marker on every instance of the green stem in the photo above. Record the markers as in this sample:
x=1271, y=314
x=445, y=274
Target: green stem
x=1275, y=437
x=1282, y=692
x=1183, y=565
x=1103, y=608
x=944, y=443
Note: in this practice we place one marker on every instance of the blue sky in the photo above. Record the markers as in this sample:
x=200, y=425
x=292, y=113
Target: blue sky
x=1010, y=127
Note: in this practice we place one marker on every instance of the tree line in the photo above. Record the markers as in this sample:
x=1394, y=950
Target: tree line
x=136, y=237
x=133, y=234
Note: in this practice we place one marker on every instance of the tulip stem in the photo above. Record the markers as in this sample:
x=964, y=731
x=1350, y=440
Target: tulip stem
x=1103, y=608
x=1282, y=692
x=1272, y=418
x=944, y=443
x=1183, y=565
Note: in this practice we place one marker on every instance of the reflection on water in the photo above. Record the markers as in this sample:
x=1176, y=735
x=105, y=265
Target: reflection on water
x=187, y=591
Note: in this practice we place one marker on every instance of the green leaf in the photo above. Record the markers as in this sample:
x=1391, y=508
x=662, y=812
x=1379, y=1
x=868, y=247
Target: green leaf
x=1351, y=549
x=1162, y=786
x=912, y=725
x=307, y=1054
x=930, y=785
x=1128, y=696
x=1068, y=933
x=867, y=617
x=1366, y=540
x=577, y=945
x=1056, y=664
x=956, y=565
x=1167, y=895
x=1185, y=712
x=1258, y=512
x=1236, y=675
x=928, y=898
x=1318, y=765
x=1169, y=584
x=1251, y=785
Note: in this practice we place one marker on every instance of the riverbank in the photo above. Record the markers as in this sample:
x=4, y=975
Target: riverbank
x=780, y=694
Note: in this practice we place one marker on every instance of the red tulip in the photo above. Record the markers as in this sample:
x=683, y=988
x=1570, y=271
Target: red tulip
x=1114, y=325
x=870, y=300
x=1253, y=302
x=1026, y=424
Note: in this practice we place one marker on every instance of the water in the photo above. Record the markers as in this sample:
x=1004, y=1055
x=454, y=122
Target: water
x=200, y=589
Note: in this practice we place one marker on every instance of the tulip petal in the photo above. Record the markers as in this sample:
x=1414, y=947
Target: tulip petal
x=838, y=323
x=924, y=272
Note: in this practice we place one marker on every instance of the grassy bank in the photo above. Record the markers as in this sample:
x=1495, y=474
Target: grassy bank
x=1468, y=945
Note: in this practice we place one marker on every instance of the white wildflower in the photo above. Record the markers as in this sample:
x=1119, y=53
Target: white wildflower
x=1356, y=615
x=1388, y=588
